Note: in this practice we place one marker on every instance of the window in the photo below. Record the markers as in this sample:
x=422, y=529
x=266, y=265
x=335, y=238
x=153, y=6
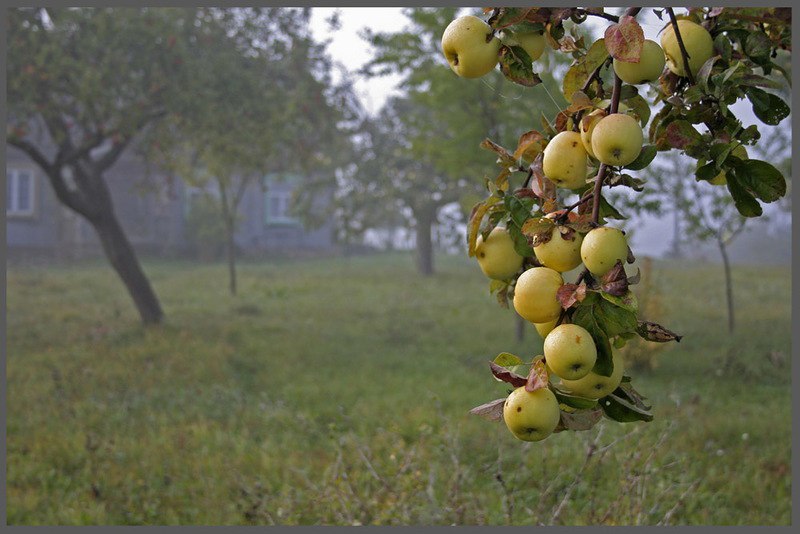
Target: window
x=20, y=193
x=278, y=205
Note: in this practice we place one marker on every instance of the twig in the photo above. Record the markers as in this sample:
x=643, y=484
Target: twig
x=682, y=46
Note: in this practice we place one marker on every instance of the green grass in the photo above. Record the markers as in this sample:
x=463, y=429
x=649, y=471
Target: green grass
x=336, y=392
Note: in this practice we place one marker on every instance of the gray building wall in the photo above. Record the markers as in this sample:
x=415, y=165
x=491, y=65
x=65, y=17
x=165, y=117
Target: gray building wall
x=152, y=209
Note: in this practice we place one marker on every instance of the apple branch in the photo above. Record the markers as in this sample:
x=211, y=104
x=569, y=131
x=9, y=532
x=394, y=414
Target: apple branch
x=682, y=46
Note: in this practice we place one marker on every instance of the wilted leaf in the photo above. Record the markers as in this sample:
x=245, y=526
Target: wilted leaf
x=505, y=158
x=678, y=134
x=538, y=225
x=579, y=420
x=530, y=145
x=493, y=411
x=578, y=73
x=615, y=281
x=624, y=40
x=504, y=375
x=569, y=294
x=655, y=332
x=537, y=377
x=475, y=219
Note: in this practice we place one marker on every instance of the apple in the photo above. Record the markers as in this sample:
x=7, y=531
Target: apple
x=588, y=122
x=545, y=328
x=595, y=386
x=648, y=69
x=698, y=42
x=496, y=256
x=559, y=253
x=467, y=49
x=531, y=416
x=532, y=42
x=535, y=295
x=617, y=139
x=564, y=160
x=569, y=351
x=602, y=247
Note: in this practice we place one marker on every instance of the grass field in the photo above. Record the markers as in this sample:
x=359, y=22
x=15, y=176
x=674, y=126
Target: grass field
x=336, y=392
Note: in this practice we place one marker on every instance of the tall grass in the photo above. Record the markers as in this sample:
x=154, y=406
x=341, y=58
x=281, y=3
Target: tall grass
x=337, y=391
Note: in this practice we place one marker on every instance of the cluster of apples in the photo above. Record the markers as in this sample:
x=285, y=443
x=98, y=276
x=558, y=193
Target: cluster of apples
x=569, y=351
x=613, y=139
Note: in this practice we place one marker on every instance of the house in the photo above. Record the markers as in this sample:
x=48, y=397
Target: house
x=155, y=211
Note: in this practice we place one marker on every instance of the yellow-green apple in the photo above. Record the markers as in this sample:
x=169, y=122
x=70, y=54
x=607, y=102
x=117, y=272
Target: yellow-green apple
x=595, y=386
x=648, y=69
x=496, y=256
x=559, y=253
x=564, y=160
x=698, y=42
x=531, y=416
x=468, y=47
x=545, y=328
x=569, y=351
x=535, y=295
x=602, y=247
x=617, y=139
x=532, y=42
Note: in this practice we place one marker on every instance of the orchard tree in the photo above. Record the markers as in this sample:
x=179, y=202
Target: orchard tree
x=261, y=106
x=438, y=120
x=551, y=191
x=89, y=81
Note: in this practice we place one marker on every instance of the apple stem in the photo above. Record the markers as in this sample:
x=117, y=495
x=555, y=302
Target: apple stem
x=682, y=46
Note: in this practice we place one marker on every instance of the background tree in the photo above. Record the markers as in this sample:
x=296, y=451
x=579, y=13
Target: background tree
x=88, y=81
x=262, y=106
x=439, y=123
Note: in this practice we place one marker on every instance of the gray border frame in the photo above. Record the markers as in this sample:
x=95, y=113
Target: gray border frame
x=795, y=516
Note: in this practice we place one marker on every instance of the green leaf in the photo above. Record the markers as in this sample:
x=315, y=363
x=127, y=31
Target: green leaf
x=626, y=302
x=506, y=359
x=769, y=108
x=584, y=316
x=640, y=107
x=517, y=66
x=761, y=179
x=521, y=245
x=723, y=47
x=644, y=158
x=757, y=45
x=623, y=411
x=744, y=201
x=706, y=172
x=607, y=211
x=572, y=401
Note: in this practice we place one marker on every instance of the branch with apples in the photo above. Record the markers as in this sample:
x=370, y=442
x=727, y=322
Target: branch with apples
x=525, y=238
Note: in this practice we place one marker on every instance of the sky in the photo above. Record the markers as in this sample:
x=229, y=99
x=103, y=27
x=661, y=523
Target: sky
x=347, y=48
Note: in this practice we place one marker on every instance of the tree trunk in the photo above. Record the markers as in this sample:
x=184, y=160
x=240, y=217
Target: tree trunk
x=728, y=283
x=520, y=328
x=123, y=259
x=424, y=245
x=230, y=251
